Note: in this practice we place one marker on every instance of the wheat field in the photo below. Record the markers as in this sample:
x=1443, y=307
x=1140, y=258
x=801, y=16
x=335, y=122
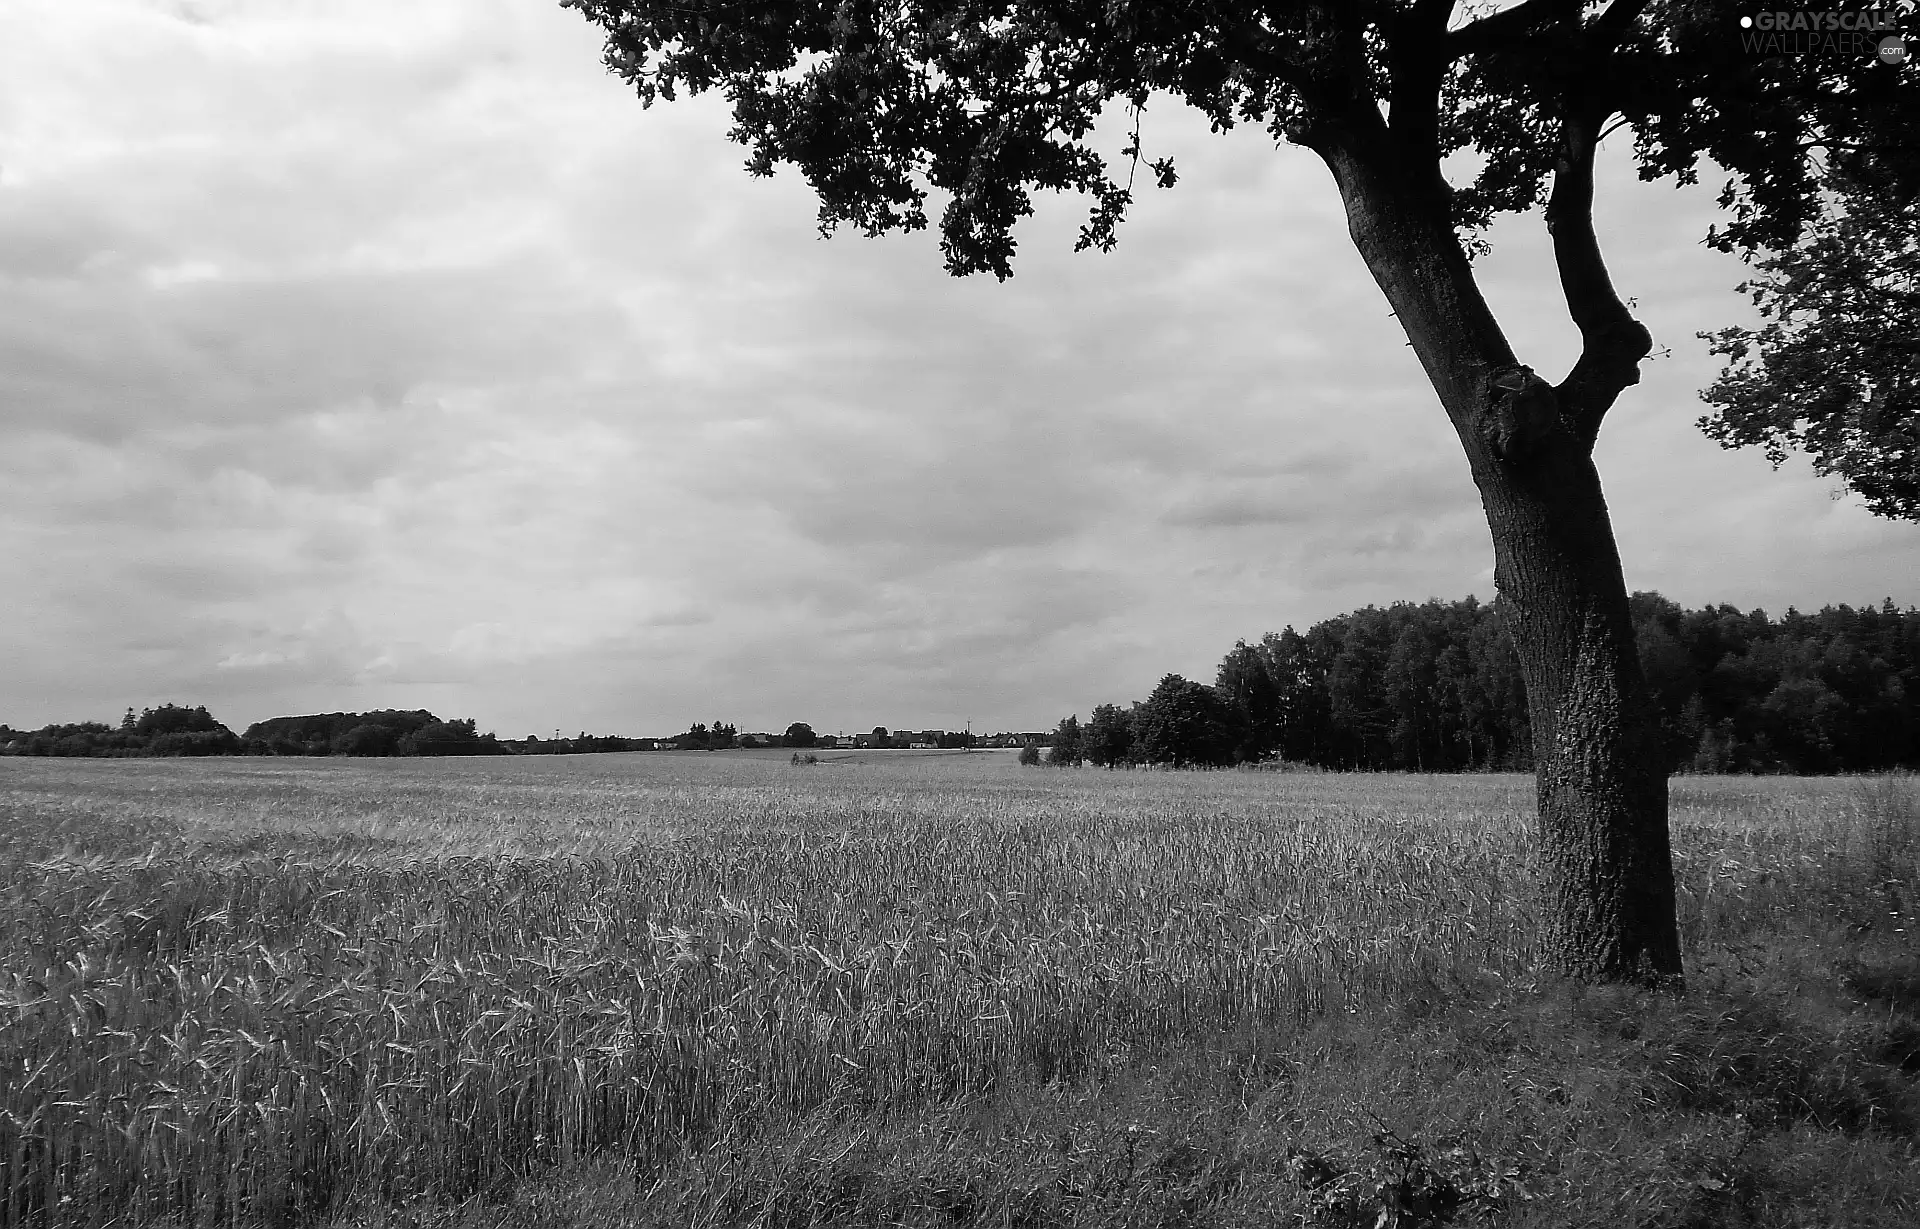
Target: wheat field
x=238, y=991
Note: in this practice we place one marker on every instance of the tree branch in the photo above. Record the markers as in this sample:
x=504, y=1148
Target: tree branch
x=1509, y=28
x=1611, y=26
x=1417, y=45
x=1612, y=341
x=1257, y=47
x=1325, y=73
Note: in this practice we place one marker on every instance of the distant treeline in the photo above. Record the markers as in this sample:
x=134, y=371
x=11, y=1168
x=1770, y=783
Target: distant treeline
x=173, y=729
x=177, y=730
x=383, y=732
x=167, y=730
x=1436, y=687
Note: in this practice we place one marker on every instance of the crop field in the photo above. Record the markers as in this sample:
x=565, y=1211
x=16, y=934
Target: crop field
x=275, y=991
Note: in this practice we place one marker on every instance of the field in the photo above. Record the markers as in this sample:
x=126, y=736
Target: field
x=936, y=989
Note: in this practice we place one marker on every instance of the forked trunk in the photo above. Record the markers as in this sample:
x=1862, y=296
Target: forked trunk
x=1604, y=856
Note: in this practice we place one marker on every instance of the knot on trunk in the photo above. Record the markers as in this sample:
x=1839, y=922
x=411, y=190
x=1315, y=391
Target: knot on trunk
x=1624, y=343
x=1522, y=411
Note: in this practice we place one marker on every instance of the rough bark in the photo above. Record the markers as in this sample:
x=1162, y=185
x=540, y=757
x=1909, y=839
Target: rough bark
x=1605, y=862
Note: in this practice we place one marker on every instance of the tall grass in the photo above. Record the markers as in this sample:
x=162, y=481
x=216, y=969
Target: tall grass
x=240, y=992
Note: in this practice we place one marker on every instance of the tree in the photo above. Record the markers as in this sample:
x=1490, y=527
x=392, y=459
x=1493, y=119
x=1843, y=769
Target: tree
x=1066, y=751
x=1029, y=755
x=799, y=734
x=1835, y=371
x=1356, y=691
x=458, y=737
x=879, y=105
x=880, y=736
x=1185, y=725
x=1299, y=679
x=1243, y=682
x=1408, y=683
x=174, y=719
x=1108, y=737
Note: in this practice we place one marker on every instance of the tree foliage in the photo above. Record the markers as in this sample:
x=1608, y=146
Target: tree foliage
x=321, y=733
x=799, y=734
x=1835, y=369
x=368, y=739
x=1066, y=750
x=1185, y=724
x=174, y=719
x=1246, y=685
x=1108, y=737
x=880, y=106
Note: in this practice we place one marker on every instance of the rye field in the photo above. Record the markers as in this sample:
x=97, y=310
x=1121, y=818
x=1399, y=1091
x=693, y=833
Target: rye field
x=933, y=990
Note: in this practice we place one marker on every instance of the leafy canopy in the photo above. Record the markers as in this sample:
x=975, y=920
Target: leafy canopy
x=880, y=104
x=1185, y=724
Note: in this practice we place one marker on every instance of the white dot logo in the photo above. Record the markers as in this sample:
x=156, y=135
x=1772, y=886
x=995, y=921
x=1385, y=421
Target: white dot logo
x=1746, y=23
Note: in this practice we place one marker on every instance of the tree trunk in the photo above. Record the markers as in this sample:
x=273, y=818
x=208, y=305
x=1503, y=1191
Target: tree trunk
x=1604, y=857
x=1607, y=870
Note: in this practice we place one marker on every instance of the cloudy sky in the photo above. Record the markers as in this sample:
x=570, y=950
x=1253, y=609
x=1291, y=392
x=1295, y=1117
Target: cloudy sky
x=362, y=354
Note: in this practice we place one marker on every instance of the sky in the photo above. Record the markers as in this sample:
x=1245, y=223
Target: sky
x=358, y=354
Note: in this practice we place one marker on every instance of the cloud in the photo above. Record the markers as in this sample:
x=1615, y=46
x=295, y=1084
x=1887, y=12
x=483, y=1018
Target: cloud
x=355, y=355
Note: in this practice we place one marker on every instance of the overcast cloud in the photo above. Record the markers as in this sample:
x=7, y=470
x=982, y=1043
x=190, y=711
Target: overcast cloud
x=360, y=354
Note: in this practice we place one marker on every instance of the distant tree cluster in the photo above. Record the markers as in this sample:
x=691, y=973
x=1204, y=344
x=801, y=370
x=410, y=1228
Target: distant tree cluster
x=1436, y=687
x=1837, y=691
x=1183, y=724
x=175, y=730
x=169, y=730
x=704, y=737
x=172, y=730
x=724, y=736
x=946, y=740
x=582, y=743
x=382, y=733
